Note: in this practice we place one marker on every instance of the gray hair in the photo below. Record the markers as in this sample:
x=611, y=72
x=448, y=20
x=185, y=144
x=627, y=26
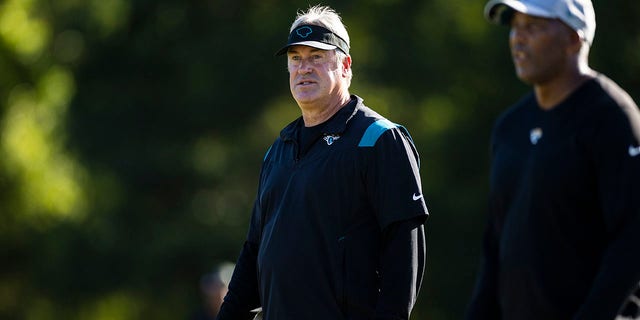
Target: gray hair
x=328, y=18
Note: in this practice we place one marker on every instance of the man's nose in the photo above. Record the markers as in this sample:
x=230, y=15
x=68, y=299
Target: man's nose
x=305, y=66
x=516, y=35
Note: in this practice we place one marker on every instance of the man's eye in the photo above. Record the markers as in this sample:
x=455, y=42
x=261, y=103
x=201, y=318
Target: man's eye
x=535, y=26
x=317, y=58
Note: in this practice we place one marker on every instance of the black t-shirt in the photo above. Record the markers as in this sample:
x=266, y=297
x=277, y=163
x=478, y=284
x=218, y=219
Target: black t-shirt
x=307, y=136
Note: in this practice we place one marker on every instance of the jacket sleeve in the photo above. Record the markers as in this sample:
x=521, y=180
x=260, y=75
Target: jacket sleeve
x=243, y=295
x=402, y=264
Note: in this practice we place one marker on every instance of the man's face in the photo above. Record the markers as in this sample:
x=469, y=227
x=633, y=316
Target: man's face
x=538, y=48
x=315, y=76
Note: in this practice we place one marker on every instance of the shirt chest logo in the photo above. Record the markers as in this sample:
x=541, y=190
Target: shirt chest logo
x=331, y=138
x=535, y=135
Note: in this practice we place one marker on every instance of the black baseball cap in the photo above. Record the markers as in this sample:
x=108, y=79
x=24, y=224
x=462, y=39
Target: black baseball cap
x=314, y=36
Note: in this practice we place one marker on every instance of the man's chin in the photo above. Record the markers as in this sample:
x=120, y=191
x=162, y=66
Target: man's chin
x=525, y=78
x=305, y=98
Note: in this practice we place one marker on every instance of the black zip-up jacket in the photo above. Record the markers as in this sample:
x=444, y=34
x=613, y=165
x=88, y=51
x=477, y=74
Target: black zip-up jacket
x=336, y=231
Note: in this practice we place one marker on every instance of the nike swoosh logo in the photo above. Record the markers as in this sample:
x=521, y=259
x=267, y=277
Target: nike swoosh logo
x=634, y=151
x=416, y=197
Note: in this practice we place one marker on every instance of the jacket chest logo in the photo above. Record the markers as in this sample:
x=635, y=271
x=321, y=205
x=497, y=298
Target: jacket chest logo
x=330, y=138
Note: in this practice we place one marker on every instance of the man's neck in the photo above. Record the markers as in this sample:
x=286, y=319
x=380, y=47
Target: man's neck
x=552, y=93
x=318, y=113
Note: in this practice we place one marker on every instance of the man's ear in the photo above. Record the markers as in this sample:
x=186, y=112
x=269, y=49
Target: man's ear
x=346, y=65
x=575, y=42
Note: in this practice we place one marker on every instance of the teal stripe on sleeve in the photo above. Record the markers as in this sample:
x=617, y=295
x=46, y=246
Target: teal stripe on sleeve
x=267, y=154
x=374, y=131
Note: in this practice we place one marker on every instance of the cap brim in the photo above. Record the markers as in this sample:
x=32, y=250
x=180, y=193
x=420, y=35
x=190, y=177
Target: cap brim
x=497, y=11
x=314, y=44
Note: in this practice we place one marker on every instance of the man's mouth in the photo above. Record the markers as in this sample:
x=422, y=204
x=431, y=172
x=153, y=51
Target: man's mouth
x=518, y=55
x=306, y=82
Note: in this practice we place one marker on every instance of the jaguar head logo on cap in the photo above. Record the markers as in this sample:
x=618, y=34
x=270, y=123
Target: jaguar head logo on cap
x=315, y=36
x=304, y=31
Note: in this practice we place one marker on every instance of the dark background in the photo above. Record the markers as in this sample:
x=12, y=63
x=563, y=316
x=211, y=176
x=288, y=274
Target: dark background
x=132, y=132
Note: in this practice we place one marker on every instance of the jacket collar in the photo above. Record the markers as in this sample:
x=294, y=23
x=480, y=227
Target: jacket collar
x=336, y=125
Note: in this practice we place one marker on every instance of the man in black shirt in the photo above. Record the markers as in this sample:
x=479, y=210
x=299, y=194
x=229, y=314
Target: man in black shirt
x=564, y=227
x=337, y=227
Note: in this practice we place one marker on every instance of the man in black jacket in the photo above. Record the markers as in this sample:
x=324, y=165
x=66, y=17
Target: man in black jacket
x=337, y=227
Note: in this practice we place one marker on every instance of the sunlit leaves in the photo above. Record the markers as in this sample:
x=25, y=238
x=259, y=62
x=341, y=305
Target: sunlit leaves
x=108, y=16
x=22, y=30
x=33, y=149
x=116, y=305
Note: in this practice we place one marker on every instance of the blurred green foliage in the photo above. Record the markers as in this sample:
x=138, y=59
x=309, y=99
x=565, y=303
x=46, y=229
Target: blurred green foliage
x=131, y=136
